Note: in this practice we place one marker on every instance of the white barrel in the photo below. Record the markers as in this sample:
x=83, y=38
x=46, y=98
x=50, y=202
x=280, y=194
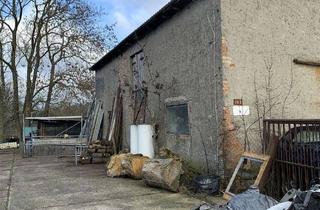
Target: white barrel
x=145, y=142
x=134, y=145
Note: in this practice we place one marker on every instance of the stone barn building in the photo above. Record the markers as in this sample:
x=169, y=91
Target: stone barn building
x=205, y=73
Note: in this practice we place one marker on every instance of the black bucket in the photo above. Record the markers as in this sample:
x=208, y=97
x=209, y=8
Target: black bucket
x=207, y=184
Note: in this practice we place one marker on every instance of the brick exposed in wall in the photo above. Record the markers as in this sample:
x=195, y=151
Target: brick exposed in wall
x=231, y=144
x=226, y=59
x=317, y=73
x=226, y=88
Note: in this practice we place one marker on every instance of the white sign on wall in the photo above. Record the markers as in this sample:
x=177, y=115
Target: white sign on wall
x=241, y=110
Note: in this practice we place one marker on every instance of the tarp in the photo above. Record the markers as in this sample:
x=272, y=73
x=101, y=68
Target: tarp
x=251, y=199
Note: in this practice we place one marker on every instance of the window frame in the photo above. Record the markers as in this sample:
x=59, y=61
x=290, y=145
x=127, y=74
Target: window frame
x=175, y=104
x=137, y=62
x=137, y=69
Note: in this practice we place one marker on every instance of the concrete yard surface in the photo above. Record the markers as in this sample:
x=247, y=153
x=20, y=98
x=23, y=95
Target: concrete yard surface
x=56, y=183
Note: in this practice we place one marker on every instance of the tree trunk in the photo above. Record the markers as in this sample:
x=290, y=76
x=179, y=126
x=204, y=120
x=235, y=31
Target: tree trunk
x=16, y=104
x=27, y=100
x=163, y=173
x=15, y=80
x=50, y=91
x=34, y=60
x=2, y=97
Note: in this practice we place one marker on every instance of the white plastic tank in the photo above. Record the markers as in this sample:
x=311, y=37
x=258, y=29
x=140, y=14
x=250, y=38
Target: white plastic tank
x=145, y=140
x=134, y=145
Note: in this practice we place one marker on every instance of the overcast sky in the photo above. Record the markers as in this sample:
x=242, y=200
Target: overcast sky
x=128, y=14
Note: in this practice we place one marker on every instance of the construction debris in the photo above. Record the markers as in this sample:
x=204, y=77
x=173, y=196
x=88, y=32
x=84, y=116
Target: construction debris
x=126, y=165
x=163, y=173
x=251, y=199
x=204, y=206
x=298, y=200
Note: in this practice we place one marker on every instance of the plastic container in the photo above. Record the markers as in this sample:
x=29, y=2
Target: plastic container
x=134, y=143
x=145, y=140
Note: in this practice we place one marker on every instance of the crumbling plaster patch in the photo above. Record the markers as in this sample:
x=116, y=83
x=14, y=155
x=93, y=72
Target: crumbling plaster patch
x=226, y=87
x=317, y=73
x=226, y=59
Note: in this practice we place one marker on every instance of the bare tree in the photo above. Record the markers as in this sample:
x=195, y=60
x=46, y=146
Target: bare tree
x=12, y=10
x=270, y=101
x=42, y=47
x=68, y=46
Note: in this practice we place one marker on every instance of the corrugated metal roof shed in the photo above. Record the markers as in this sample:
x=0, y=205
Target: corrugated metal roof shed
x=60, y=118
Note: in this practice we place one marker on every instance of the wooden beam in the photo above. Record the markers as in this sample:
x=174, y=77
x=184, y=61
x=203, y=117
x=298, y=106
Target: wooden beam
x=264, y=159
x=227, y=194
x=306, y=62
x=98, y=123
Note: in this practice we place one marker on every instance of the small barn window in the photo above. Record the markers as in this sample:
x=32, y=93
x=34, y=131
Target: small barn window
x=139, y=93
x=138, y=70
x=178, y=119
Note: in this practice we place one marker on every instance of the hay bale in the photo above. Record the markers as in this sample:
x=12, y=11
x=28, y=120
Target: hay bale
x=163, y=173
x=126, y=165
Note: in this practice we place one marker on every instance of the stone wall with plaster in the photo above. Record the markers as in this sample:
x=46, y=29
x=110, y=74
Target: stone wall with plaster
x=260, y=39
x=183, y=57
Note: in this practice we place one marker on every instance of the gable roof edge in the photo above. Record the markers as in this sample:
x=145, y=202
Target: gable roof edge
x=164, y=14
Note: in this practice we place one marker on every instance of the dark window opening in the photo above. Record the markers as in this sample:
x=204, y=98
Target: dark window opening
x=178, y=119
x=138, y=71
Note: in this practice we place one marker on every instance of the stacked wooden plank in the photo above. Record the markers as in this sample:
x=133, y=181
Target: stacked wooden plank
x=96, y=122
x=93, y=126
x=115, y=128
x=93, y=122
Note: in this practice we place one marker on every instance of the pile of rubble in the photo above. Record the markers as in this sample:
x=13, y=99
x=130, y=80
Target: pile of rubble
x=252, y=199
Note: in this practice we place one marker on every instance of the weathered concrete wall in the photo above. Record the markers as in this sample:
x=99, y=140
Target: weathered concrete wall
x=182, y=52
x=260, y=39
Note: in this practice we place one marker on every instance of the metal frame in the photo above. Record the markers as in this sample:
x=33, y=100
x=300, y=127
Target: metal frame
x=38, y=141
x=78, y=151
x=297, y=159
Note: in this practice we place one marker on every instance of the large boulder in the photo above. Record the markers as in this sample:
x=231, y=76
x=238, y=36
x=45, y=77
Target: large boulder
x=163, y=173
x=126, y=165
